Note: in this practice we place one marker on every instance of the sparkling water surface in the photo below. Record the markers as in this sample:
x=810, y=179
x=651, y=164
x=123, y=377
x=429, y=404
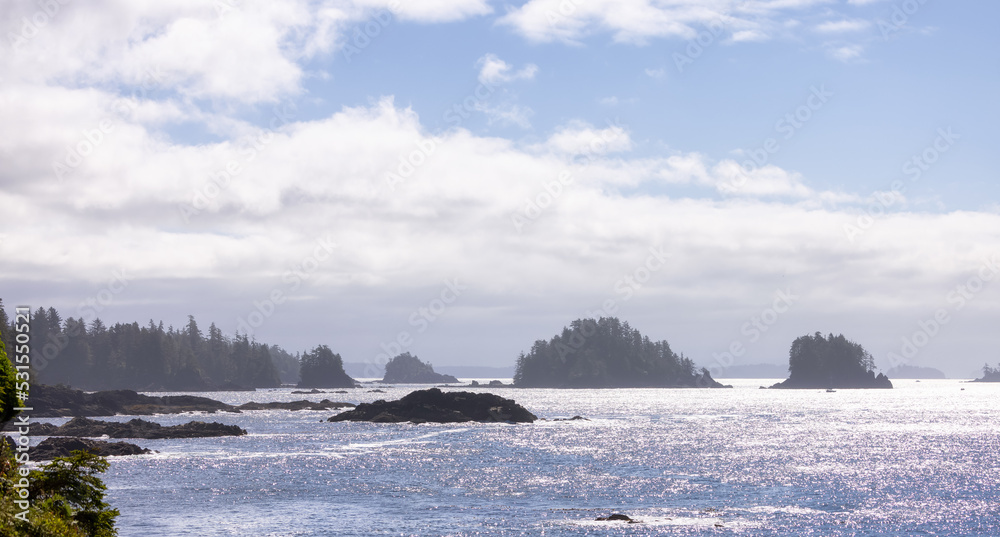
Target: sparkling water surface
x=921, y=459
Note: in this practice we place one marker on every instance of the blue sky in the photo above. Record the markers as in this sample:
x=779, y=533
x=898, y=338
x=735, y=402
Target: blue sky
x=300, y=170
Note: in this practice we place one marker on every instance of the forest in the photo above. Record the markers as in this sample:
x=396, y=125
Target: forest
x=129, y=356
x=605, y=353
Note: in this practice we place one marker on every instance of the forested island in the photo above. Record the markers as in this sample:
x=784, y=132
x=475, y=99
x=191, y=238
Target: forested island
x=990, y=374
x=914, y=372
x=408, y=369
x=831, y=362
x=606, y=353
x=321, y=368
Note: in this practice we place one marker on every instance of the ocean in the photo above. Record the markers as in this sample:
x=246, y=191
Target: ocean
x=921, y=459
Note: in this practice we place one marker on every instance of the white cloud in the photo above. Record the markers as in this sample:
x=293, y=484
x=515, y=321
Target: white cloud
x=843, y=26
x=579, y=138
x=847, y=53
x=749, y=36
x=506, y=114
x=247, y=51
x=493, y=71
x=431, y=10
x=657, y=74
x=637, y=21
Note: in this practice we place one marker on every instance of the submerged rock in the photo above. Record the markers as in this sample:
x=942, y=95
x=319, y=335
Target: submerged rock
x=436, y=406
x=137, y=428
x=51, y=448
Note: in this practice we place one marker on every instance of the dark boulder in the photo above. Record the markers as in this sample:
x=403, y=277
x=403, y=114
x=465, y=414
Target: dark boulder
x=436, y=406
x=617, y=517
x=137, y=428
x=51, y=448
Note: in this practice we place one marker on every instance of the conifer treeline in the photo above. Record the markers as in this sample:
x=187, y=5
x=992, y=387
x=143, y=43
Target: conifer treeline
x=93, y=356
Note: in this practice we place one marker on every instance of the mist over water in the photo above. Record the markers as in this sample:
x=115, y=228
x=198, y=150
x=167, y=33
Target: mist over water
x=919, y=459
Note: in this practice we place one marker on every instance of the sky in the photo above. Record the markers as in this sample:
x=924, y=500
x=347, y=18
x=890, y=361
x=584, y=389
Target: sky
x=459, y=178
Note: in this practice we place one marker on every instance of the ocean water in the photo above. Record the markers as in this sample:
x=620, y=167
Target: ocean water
x=921, y=459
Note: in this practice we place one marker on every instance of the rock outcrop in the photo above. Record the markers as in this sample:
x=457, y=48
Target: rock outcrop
x=408, y=369
x=137, y=428
x=436, y=406
x=325, y=404
x=51, y=448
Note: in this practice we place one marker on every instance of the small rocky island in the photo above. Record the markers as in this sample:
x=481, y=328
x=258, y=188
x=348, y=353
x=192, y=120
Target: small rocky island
x=408, y=369
x=51, y=448
x=435, y=406
x=607, y=353
x=905, y=371
x=990, y=374
x=321, y=368
x=817, y=362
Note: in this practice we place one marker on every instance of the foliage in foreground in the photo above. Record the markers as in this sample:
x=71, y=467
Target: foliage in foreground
x=67, y=498
x=8, y=387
